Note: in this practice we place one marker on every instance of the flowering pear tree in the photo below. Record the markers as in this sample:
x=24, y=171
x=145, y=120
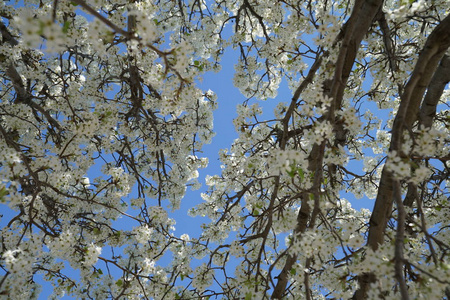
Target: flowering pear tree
x=108, y=87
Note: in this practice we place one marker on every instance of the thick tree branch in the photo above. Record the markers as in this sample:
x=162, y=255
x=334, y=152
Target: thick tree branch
x=428, y=111
x=434, y=49
x=435, y=89
x=362, y=17
x=387, y=40
x=107, y=22
x=356, y=28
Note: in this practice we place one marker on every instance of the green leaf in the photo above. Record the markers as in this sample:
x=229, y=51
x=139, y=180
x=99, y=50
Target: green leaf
x=293, y=271
x=3, y=192
x=248, y=296
x=41, y=28
x=291, y=172
x=119, y=282
x=66, y=26
x=199, y=65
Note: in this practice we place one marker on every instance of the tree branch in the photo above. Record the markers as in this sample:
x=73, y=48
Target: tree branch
x=434, y=92
x=434, y=49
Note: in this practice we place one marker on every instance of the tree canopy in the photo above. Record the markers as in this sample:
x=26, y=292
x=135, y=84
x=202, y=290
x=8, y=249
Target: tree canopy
x=112, y=85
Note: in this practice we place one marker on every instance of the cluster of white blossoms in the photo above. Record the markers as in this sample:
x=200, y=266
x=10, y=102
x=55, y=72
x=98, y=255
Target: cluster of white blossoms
x=143, y=234
x=404, y=9
x=145, y=25
x=236, y=249
x=250, y=83
x=158, y=215
x=351, y=121
x=88, y=128
x=203, y=277
x=336, y=155
x=328, y=30
x=288, y=161
x=401, y=167
x=64, y=245
x=18, y=262
x=38, y=26
x=92, y=252
x=431, y=142
x=405, y=169
x=316, y=102
x=183, y=52
x=285, y=221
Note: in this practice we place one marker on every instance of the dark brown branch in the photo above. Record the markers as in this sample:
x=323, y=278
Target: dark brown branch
x=103, y=19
